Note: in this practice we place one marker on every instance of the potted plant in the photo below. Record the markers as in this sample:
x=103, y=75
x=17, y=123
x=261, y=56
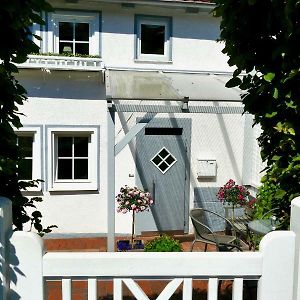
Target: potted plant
x=132, y=199
x=234, y=195
x=163, y=243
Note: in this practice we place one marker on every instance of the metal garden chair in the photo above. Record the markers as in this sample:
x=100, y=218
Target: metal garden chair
x=203, y=233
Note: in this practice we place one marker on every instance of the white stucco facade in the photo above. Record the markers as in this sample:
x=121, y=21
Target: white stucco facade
x=76, y=99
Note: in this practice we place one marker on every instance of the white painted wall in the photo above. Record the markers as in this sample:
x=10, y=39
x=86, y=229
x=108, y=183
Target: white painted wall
x=82, y=105
x=194, y=45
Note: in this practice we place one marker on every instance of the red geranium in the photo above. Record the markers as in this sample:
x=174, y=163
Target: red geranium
x=234, y=194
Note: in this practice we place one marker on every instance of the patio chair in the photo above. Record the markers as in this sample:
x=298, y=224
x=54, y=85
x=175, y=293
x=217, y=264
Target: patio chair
x=203, y=233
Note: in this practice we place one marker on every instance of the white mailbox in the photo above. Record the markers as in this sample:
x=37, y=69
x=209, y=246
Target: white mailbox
x=206, y=168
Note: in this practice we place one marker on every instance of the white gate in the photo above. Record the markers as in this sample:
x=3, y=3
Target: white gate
x=272, y=266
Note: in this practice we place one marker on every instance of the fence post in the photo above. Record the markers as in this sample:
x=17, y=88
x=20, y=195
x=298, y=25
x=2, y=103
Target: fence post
x=295, y=226
x=278, y=251
x=27, y=263
x=5, y=234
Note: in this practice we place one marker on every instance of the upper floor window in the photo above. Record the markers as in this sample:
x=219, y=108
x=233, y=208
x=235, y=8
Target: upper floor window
x=74, y=33
x=153, y=38
x=74, y=38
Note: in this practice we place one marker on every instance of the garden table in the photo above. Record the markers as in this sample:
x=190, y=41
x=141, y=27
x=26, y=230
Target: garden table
x=261, y=227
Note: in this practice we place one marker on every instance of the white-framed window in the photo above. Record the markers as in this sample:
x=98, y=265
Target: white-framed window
x=153, y=38
x=74, y=33
x=73, y=160
x=30, y=168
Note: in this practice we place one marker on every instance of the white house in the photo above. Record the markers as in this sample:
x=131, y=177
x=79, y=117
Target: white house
x=148, y=69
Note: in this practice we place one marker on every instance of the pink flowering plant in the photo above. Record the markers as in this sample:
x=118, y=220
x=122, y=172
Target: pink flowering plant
x=234, y=194
x=135, y=200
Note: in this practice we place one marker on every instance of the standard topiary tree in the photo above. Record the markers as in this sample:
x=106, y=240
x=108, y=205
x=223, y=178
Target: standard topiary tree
x=16, y=17
x=261, y=39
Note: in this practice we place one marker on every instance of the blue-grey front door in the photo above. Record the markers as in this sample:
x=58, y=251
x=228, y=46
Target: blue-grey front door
x=163, y=167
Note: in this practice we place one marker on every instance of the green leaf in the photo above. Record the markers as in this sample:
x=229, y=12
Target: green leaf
x=280, y=194
x=276, y=158
x=275, y=93
x=269, y=77
x=291, y=131
x=271, y=115
x=235, y=81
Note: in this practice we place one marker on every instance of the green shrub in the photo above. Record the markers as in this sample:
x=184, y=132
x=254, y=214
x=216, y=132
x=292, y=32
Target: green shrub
x=164, y=243
x=265, y=198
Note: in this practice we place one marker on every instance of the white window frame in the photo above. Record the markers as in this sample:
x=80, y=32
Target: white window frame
x=68, y=16
x=90, y=184
x=35, y=132
x=164, y=21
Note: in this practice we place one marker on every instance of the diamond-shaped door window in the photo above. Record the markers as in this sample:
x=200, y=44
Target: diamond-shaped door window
x=163, y=160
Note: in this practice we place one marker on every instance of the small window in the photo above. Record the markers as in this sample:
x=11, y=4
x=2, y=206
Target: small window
x=74, y=33
x=25, y=165
x=74, y=38
x=153, y=36
x=163, y=160
x=73, y=159
x=30, y=167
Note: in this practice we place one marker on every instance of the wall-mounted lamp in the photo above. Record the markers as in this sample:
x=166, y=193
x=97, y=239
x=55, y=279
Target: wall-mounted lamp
x=185, y=103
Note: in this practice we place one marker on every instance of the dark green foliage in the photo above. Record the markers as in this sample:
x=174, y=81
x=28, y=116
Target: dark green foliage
x=164, y=243
x=261, y=40
x=16, y=17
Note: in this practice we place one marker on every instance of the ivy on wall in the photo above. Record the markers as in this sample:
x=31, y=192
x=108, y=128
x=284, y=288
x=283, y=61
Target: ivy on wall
x=16, y=17
x=261, y=39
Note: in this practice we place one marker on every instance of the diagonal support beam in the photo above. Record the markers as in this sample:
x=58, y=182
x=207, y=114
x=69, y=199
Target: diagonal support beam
x=129, y=136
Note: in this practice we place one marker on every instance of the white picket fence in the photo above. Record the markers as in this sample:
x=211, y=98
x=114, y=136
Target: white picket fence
x=24, y=266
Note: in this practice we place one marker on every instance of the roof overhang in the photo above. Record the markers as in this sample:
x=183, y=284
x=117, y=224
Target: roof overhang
x=202, y=5
x=169, y=86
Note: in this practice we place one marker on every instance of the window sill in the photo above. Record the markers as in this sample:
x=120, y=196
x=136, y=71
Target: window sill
x=149, y=61
x=73, y=189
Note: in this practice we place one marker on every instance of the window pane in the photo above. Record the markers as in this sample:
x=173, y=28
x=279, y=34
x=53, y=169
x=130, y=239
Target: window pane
x=64, y=169
x=80, y=169
x=25, y=143
x=81, y=146
x=82, y=32
x=65, y=48
x=163, y=153
x=82, y=48
x=156, y=160
x=170, y=159
x=152, y=39
x=25, y=169
x=66, y=31
x=64, y=146
x=163, y=166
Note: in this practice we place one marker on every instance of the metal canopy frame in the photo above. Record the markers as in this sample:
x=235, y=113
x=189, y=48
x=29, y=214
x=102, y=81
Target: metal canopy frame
x=113, y=149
